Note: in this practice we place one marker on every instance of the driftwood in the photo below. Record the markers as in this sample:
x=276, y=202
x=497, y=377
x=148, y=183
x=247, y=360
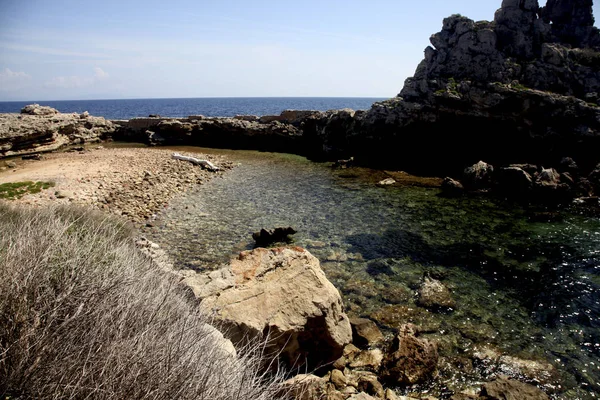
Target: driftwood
x=203, y=163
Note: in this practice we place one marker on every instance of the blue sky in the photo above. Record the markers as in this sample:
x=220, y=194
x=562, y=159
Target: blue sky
x=56, y=50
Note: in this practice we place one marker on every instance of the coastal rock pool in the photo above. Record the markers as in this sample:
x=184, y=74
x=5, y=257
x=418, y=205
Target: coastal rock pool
x=525, y=282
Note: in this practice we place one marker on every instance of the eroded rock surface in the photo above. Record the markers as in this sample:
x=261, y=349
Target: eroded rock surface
x=282, y=293
x=40, y=129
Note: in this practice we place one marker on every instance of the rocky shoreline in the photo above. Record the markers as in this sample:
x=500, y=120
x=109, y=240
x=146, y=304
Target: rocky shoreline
x=519, y=92
x=135, y=183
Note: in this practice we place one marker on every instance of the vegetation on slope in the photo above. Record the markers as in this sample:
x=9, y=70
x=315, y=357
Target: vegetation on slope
x=83, y=314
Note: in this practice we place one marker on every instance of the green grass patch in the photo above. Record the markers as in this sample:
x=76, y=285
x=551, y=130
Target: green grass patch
x=16, y=190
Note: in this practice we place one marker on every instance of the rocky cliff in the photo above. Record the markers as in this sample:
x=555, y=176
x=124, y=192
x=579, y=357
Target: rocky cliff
x=522, y=88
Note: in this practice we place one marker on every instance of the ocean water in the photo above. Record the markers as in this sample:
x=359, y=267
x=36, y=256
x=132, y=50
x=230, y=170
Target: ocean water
x=209, y=107
x=524, y=287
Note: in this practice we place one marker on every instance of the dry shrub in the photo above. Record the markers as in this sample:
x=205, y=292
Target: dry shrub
x=83, y=314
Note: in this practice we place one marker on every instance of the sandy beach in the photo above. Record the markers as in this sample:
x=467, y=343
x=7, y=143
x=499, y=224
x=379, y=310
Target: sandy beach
x=133, y=182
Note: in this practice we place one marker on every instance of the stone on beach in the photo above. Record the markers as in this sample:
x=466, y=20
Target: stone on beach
x=282, y=294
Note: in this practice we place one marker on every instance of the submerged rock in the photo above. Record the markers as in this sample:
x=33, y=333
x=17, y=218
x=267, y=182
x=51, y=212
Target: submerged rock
x=434, y=294
x=509, y=389
x=265, y=237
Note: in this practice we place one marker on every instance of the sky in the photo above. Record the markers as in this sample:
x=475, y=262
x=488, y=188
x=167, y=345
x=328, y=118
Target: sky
x=72, y=50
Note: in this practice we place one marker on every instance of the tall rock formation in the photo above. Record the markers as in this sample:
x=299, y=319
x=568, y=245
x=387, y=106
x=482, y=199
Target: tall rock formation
x=521, y=88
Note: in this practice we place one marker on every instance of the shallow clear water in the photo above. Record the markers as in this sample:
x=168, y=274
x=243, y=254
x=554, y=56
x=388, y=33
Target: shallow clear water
x=528, y=289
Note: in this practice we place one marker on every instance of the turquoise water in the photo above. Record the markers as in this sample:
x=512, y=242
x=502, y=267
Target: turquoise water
x=523, y=288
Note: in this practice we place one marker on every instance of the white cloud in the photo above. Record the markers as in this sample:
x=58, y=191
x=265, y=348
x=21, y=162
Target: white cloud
x=10, y=80
x=76, y=81
x=99, y=73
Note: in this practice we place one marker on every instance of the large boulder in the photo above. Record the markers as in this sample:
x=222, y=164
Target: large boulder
x=279, y=293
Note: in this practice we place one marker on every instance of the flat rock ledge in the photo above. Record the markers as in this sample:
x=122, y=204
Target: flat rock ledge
x=280, y=293
x=42, y=129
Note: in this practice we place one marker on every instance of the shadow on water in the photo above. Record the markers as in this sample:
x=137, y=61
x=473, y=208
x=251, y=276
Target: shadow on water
x=526, y=286
x=546, y=287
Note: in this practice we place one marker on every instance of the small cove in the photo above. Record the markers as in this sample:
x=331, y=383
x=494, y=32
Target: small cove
x=526, y=288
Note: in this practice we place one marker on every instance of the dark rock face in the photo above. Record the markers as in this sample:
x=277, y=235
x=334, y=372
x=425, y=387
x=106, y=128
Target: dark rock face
x=265, y=237
x=513, y=90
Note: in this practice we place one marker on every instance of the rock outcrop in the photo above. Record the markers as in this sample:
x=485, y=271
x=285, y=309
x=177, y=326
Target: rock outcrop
x=282, y=294
x=40, y=129
x=521, y=88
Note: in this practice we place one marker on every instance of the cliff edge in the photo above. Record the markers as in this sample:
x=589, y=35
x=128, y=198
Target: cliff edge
x=522, y=88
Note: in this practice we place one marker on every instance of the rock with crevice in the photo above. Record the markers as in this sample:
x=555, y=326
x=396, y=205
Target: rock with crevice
x=280, y=294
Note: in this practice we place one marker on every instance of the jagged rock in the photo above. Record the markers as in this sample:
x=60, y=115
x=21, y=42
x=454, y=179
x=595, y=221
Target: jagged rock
x=478, y=176
x=435, y=295
x=365, y=332
x=509, y=389
x=265, y=237
x=410, y=360
x=280, y=292
x=36, y=109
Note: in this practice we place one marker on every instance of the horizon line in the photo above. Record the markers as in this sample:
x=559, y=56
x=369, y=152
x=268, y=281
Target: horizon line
x=208, y=97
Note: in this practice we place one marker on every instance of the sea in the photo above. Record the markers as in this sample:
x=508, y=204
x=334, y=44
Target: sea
x=209, y=107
